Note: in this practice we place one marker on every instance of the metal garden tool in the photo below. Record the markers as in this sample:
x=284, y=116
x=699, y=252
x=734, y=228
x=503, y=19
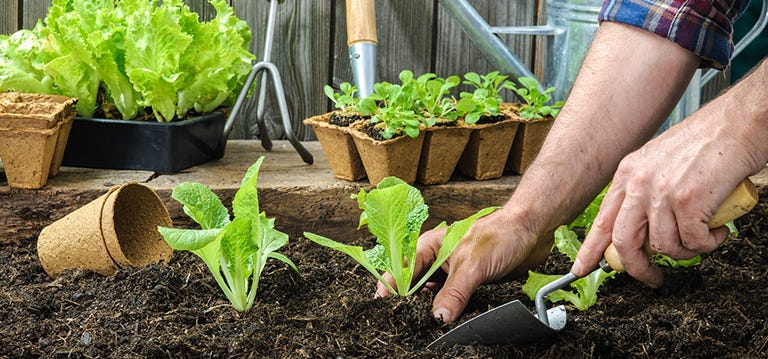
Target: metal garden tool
x=513, y=323
x=362, y=42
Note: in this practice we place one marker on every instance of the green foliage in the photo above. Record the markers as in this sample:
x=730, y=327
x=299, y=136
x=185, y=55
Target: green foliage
x=433, y=98
x=567, y=242
x=235, y=251
x=346, y=101
x=535, y=102
x=392, y=107
x=486, y=97
x=394, y=213
x=585, y=294
x=139, y=53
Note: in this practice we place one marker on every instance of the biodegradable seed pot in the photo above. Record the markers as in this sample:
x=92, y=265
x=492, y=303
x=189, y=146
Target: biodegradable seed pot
x=488, y=148
x=527, y=144
x=396, y=157
x=440, y=154
x=116, y=230
x=339, y=147
x=34, y=130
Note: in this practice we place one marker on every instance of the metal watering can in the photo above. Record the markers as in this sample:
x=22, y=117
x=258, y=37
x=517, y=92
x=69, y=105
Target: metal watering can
x=571, y=26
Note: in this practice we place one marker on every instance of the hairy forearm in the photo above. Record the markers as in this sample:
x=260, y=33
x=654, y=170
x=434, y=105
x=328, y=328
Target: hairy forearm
x=741, y=113
x=629, y=83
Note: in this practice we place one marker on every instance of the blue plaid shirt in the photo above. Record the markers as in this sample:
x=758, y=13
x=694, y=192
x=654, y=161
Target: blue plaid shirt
x=703, y=27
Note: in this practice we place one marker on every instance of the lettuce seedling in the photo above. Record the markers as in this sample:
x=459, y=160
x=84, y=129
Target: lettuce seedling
x=535, y=102
x=486, y=97
x=567, y=242
x=394, y=213
x=433, y=98
x=237, y=250
x=346, y=101
x=585, y=295
x=392, y=107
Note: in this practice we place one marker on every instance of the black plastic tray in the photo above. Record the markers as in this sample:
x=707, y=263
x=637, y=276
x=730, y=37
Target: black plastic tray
x=141, y=145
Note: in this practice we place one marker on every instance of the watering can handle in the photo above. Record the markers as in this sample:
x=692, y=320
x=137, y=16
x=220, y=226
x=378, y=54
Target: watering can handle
x=762, y=20
x=738, y=203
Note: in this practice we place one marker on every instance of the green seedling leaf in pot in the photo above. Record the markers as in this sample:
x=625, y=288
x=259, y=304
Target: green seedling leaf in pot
x=535, y=102
x=394, y=213
x=235, y=251
x=346, y=101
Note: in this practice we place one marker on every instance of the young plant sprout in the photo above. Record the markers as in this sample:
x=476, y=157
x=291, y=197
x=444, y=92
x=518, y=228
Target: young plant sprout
x=394, y=213
x=535, y=102
x=235, y=251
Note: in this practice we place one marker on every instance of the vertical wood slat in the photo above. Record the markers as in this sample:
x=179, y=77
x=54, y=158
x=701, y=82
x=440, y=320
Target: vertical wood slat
x=458, y=55
x=9, y=16
x=33, y=11
x=300, y=51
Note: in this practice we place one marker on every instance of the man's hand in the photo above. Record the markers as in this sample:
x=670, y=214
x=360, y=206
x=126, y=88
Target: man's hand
x=494, y=249
x=667, y=191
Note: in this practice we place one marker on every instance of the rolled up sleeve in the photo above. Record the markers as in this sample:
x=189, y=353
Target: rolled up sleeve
x=703, y=27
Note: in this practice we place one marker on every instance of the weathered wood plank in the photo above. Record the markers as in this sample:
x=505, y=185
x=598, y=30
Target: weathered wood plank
x=9, y=16
x=300, y=196
x=300, y=52
x=456, y=54
x=33, y=11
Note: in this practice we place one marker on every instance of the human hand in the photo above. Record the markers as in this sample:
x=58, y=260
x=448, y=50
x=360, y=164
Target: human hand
x=494, y=249
x=663, y=195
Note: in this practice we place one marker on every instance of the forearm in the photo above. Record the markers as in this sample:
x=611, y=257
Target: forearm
x=627, y=86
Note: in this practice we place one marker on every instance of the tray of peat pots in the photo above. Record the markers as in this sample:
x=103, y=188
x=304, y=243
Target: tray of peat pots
x=493, y=123
x=332, y=131
x=145, y=101
x=536, y=118
x=412, y=133
x=34, y=130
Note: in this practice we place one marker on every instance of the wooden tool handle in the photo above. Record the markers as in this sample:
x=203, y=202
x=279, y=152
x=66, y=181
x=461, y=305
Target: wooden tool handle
x=361, y=21
x=738, y=203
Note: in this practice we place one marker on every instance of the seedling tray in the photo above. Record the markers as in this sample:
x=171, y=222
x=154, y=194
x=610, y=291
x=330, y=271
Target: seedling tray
x=140, y=145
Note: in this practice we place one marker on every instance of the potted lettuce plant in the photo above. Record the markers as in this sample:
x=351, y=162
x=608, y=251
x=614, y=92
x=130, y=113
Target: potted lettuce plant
x=150, y=78
x=444, y=137
x=493, y=124
x=536, y=117
x=390, y=141
x=332, y=131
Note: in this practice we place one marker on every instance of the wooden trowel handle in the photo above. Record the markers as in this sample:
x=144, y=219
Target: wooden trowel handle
x=738, y=203
x=361, y=21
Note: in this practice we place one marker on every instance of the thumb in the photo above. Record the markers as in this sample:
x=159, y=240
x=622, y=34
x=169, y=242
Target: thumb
x=450, y=301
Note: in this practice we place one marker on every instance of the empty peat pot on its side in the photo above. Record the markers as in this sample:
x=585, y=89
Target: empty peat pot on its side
x=398, y=156
x=489, y=144
x=338, y=146
x=440, y=154
x=116, y=230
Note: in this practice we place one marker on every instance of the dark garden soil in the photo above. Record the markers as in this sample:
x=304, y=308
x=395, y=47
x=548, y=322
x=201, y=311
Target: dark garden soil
x=715, y=310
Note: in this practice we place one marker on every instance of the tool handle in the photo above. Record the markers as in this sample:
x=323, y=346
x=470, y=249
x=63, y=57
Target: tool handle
x=738, y=203
x=361, y=21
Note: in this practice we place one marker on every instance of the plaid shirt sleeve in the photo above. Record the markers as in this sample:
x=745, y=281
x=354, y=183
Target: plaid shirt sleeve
x=702, y=26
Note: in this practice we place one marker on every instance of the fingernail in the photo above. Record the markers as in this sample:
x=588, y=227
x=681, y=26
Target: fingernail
x=576, y=267
x=440, y=313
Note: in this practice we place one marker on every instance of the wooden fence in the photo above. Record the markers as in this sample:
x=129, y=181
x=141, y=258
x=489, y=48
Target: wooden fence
x=310, y=47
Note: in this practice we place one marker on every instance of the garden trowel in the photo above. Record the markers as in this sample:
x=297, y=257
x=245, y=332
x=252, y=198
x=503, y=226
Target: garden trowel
x=513, y=322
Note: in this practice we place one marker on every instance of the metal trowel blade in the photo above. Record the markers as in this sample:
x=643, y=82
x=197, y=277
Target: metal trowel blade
x=511, y=323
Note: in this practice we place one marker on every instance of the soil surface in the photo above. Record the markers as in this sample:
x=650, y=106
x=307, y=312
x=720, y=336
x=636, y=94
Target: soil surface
x=715, y=310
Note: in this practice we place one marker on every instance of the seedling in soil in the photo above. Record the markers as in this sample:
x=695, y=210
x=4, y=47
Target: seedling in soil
x=346, y=101
x=392, y=107
x=235, y=251
x=433, y=98
x=485, y=99
x=394, y=213
x=535, y=102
